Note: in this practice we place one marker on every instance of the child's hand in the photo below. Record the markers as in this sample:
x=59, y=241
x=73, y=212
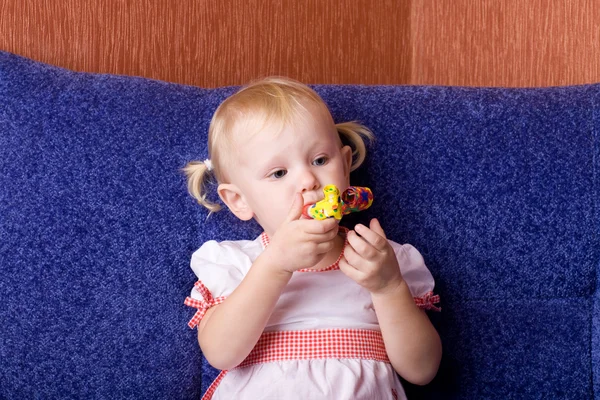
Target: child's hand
x=301, y=243
x=369, y=260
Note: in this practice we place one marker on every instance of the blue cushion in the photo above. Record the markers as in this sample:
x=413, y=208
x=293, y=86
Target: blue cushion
x=498, y=188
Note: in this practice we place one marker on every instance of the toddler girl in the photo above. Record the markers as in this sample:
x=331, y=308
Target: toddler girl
x=309, y=309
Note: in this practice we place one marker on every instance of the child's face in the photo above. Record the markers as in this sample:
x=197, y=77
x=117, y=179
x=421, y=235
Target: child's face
x=273, y=165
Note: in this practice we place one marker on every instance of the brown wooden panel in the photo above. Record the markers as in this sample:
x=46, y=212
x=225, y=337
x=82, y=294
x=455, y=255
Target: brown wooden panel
x=215, y=43
x=505, y=43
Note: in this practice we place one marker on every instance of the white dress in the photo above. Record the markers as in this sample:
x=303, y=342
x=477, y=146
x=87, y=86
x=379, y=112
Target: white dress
x=313, y=301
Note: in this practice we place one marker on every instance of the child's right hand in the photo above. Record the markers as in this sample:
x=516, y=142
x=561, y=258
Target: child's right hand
x=301, y=243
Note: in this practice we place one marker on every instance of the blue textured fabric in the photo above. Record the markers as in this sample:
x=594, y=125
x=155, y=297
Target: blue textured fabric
x=498, y=188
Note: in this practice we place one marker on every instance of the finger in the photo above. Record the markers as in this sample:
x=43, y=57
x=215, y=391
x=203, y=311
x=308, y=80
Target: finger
x=349, y=270
x=296, y=208
x=324, y=247
x=376, y=227
x=320, y=227
x=352, y=257
x=371, y=236
x=323, y=237
x=361, y=246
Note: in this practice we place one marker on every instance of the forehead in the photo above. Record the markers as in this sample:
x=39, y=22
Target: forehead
x=309, y=118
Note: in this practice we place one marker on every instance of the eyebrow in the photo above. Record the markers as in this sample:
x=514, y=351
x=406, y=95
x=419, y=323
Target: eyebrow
x=326, y=144
x=269, y=164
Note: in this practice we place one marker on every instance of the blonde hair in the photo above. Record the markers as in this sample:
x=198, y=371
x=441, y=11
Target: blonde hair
x=273, y=99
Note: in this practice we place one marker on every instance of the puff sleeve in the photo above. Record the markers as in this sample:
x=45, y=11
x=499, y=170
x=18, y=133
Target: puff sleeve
x=416, y=275
x=219, y=267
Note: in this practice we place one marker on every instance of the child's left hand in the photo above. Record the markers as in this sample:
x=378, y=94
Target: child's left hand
x=369, y=260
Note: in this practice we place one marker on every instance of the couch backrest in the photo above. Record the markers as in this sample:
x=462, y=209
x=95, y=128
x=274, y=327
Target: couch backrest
x=498, y=188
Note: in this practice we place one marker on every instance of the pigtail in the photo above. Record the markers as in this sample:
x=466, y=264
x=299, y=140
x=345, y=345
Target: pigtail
x=355, y=134
x=197, y=175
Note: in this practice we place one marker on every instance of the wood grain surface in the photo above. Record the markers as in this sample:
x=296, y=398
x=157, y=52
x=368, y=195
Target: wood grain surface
x=216, y=43
x=505, y=42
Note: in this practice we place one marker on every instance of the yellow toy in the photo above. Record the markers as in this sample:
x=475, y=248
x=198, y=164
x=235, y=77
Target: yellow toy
x=353, y=199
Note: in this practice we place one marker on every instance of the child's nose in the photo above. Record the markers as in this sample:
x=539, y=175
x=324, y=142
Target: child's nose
x=308, y=181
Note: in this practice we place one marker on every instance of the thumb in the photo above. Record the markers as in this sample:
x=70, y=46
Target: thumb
x=296, y=208
x=376, y=227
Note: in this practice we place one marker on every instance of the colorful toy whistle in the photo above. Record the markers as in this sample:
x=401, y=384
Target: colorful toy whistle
x=354, y=199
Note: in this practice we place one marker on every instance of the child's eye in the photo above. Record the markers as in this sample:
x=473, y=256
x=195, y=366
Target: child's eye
x=320, y=161
x=280, y=173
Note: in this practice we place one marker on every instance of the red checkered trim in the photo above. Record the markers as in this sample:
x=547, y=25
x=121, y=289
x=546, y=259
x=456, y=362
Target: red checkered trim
x=264, y=239
x=428, y=301
x=317, y=344
x=202, y=305
x=310, y=345
x=213, y=386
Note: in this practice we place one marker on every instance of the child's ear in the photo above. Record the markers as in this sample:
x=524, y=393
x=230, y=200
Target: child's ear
x=235, y=201
x=347, y=157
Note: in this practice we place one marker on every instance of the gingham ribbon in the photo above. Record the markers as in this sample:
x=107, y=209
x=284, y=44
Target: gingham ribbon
x=202, y=305
x=310, y=345
x=428, y=301
x=317, y=344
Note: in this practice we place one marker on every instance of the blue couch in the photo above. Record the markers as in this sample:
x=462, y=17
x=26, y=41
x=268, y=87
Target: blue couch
x=498, y=188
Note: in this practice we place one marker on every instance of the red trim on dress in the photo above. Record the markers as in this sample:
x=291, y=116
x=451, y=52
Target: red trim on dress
x=428, y=301
x=311, y=345
x=213, y=386
x=202, y=305
x=317, y=344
